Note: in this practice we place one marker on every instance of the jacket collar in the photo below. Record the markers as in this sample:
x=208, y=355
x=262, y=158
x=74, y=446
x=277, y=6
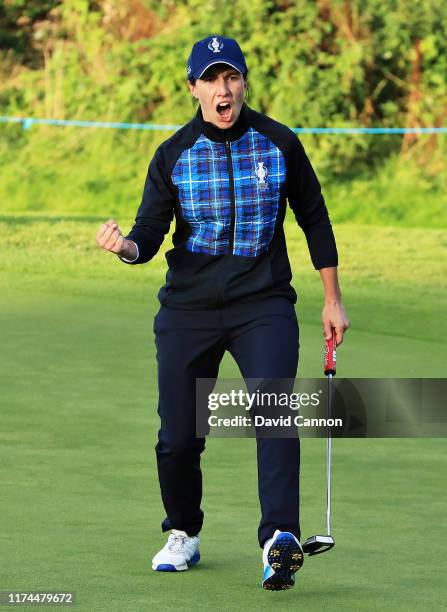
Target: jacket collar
x=217, y=134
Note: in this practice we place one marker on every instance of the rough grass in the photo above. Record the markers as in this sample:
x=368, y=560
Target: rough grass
x=93, y=171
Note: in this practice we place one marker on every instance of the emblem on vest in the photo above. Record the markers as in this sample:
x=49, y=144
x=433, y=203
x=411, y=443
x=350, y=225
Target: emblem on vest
x=215, y=45
x=261, y=174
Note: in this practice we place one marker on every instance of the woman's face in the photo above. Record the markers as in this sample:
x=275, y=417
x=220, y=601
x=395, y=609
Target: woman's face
x=221, y=95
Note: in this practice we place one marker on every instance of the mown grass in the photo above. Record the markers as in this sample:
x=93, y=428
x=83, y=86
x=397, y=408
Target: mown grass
x=393, y=279
x=81, y=507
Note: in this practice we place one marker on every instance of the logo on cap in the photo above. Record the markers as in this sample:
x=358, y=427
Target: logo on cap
x=215, y=45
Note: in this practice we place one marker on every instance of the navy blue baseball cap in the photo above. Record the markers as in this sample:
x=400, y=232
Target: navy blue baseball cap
x=214, y=50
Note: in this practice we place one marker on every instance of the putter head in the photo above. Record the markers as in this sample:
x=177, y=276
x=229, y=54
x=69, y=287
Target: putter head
x=317, y=544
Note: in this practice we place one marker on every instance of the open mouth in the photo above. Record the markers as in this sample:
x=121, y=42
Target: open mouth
x=224, y=110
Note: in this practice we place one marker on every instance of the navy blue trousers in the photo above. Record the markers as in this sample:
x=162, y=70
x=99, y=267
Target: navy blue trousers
x=263, y=338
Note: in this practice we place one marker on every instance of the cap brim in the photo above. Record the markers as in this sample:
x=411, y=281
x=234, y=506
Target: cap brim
x=235, y=65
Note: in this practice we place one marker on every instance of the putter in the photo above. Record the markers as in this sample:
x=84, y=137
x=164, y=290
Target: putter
x=318, y=544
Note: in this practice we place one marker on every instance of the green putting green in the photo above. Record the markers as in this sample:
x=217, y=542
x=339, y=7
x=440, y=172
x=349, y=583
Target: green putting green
x=81, y=507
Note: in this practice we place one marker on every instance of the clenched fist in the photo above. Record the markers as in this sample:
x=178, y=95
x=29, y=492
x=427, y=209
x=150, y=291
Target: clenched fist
x=110, y=238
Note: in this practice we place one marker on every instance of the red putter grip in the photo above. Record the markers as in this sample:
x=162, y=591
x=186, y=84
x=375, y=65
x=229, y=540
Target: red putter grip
x=330, y=355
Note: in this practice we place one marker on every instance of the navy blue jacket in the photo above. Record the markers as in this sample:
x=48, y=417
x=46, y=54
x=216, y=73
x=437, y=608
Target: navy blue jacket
x=228, y=191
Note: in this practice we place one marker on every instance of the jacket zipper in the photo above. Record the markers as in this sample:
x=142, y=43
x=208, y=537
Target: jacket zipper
x=232, y=198
x=220, y=286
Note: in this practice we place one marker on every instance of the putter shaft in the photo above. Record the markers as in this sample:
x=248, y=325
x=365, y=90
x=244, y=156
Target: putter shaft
x=329, y=457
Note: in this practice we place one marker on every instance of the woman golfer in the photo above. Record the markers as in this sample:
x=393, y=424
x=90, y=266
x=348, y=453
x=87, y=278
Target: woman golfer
x=226, y=176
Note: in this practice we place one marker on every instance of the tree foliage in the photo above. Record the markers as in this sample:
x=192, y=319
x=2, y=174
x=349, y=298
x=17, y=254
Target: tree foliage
x=19, y=23
x=311, y=63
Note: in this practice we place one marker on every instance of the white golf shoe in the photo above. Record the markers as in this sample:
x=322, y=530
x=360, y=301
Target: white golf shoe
x=179, y=552
x=282, y=557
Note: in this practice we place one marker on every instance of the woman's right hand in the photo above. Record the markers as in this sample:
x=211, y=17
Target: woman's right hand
x=110, y=238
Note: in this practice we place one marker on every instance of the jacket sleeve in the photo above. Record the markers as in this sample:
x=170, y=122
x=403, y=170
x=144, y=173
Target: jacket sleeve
x=155, y=213
x=307, y=202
